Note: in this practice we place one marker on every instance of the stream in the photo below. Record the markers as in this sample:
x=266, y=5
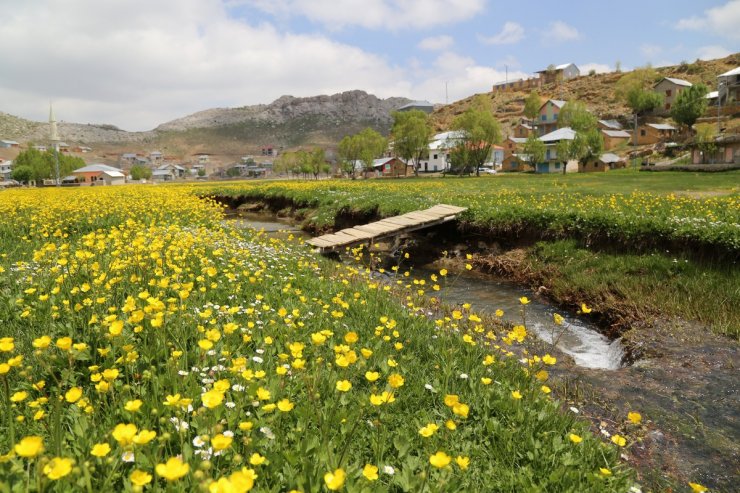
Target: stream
x=686, y=389
x=576, y=337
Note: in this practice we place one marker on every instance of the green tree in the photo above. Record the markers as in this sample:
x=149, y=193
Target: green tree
x=287, y=162
x=587, y=144
x=706, y=134
x=636, y=90
x=42, y=165
x=364, y=146
x=534, y=149
x=202, y=172
x=690, y=104
x=479, y=131
x=315, y=161
x=139, y=172
x=532, y=106
x=411, y=134
x=21, y=173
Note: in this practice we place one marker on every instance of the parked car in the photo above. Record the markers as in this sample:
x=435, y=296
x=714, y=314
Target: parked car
x=487, y=171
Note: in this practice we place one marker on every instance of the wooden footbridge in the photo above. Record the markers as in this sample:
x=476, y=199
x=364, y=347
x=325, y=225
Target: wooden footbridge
x=390, y=226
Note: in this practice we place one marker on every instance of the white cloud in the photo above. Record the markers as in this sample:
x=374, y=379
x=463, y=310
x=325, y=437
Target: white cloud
x=375, y=14
x=600, y=68
x=560, y=31
x=143, y=63
x=723, y=20
x=462, y=75
x=712, y=52
x=436, y=43
x=510, y=34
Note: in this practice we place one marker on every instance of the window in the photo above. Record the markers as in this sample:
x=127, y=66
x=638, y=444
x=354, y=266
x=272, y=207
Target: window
x=435, y=156
x=554, y=116
x=668, y=93
x=543, y=118
x=668, y=106
x=642, y=133
x=557, y=165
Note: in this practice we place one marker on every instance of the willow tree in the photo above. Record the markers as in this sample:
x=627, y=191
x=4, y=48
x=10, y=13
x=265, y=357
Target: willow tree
x=411, y=134
x=478, y=131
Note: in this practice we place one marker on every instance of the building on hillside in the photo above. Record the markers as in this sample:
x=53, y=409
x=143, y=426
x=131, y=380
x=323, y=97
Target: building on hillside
x=7, y=144
x=614, y=138
x=128, y=157
x=162, y=175
x=728, y=87
x=6, y=168
x=424, y=106
x=712, y=98
x=609, y=125
x=202, y=157
x=512, y=145
x=156, y=158
x=388, y=166
x=439, y=150
x=517, y=85
x=670, y=88
x=605, y=162
x=559, y=73
x=522, y=130
x=99, y=174
x=726, y=151
x=62, y=147
x=547, y=118
x=552, y=163
x=175, y=170
x=652, y=133
x=516, y=162
x=39, y=147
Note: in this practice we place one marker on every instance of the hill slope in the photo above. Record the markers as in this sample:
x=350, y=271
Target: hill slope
x=596, y=91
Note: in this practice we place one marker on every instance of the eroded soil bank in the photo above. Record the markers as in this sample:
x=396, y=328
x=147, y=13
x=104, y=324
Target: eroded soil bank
x=680, y=376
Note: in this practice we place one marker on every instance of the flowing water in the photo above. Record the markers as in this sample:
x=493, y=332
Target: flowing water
x=576, y=337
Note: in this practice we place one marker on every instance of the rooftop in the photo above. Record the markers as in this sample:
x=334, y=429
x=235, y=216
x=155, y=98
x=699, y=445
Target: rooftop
x=96, y=168
x=678, y=82
x=565, y=133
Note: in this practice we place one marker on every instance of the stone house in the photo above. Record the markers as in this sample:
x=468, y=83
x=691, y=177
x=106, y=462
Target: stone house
x=670, y=88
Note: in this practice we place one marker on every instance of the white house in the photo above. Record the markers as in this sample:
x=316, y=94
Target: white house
x=99, y=174
x=6, y=167
x=439, y=149
x=552, y=164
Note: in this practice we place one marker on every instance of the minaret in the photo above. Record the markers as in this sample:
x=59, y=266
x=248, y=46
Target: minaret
x=53, y=125
x=55, y=142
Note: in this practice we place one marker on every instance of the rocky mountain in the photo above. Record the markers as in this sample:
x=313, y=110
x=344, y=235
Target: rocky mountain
x=286, y=122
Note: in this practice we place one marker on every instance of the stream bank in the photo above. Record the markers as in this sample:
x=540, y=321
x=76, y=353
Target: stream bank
x=683, y=378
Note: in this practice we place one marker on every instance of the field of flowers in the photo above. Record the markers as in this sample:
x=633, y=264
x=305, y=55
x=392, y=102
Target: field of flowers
x=591, y=208
x=146, y=346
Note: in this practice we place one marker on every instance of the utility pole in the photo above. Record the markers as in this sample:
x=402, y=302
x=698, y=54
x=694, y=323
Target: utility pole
x=719, y=105
x=447, y=98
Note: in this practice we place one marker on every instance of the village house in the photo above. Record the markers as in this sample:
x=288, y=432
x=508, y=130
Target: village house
x=552, y=164
x=128, y=157
x=547, y=118
x=424, y=106
x=670, y=88
x=614, y=138
x=62, y=147
x=6, y=168
x=516, y=162
x=511, y=160
x=517, y=85
x=439, y=150
x=97, y=174
x=726, y=151
x=609, y=125
x=387, y=166
x=605, y=162
x=522, y=130
x=652, y=133
x=174, y=170
x=202, y=157
x=7, y=144
x=156, y=158
x=728, y=84
x=559, y=73
x=38, y=147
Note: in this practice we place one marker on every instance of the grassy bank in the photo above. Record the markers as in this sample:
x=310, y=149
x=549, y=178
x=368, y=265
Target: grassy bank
x=698, y=212
x=630, y=288
x=145, y=345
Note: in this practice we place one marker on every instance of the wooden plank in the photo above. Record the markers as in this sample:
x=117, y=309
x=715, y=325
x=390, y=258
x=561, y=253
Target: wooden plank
x=422, y=217
x=448, y=209
x=401, y=221
x=318, y=242
x=357, y=233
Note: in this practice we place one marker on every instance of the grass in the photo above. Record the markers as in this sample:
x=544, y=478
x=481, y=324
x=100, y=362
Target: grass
x=670, y=285
x=143, y=344
x=637, y=210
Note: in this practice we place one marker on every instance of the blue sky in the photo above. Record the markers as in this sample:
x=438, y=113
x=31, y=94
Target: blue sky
x=138, y=63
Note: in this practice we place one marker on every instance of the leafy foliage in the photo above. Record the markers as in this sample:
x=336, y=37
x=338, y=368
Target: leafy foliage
x=636, y=90
x=411, y=134
x=139, y=172
x=690, y=104
x=37, y=166
x=479, y=131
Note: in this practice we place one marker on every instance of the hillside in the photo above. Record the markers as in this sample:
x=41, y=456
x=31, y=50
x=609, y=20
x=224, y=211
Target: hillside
x=597, y=91
x=286, y=122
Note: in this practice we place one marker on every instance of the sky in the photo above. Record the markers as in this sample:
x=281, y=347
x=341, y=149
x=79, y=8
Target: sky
x=139, y=63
